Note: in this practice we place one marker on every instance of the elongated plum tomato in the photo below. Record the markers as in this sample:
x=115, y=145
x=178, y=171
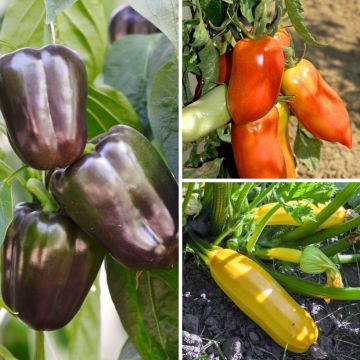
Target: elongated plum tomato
x=283, y=37
x=257, y=69
x=225, y=64
x=257, y=150
x=316, y=105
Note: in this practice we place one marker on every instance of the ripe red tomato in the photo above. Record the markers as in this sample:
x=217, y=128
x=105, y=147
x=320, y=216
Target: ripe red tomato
x=316, y=105
x=257, y=69
x=257, y=150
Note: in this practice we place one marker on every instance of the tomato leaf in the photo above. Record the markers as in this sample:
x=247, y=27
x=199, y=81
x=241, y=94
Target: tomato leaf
x=307, y=148
x=6, y=209
x=295, y=10
x=213, y=10
x=147, y=304
x=209, y=66
x=163, y=111
x=208, y=170
x=107, y=107
x=54, y=7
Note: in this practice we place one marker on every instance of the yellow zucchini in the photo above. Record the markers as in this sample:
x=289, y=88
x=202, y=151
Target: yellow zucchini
x=281, y=217
x=263, y=299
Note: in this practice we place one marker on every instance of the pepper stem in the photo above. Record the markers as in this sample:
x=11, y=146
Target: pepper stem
x=36, y=188
x=88, y=148
x=39, y=346
x=53, y=33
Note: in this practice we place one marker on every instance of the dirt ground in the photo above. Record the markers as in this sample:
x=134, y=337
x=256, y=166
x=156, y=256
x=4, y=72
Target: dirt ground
x=337, y=24
x=214, y=328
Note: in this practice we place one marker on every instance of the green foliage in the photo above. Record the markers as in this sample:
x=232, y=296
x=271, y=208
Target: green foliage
x=163, y=111
x=84, y=330
x=6, y=206
x=163, y=14
x=6, y=354
x=294, y=11
x=54, y=7
x=148, y=309
x=307, y=148
x=81, y=27
x=107, y=107
x=130, y=67
x=144, y=68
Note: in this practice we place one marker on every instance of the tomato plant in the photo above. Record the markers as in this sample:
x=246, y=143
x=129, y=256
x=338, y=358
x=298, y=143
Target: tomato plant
x=248, y=45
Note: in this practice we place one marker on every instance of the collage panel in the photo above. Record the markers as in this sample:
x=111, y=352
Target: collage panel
x=271, y=270
x=270, y=89
x=89, y=195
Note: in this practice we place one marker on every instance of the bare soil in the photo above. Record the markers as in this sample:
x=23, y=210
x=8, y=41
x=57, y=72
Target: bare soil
x=337, y=24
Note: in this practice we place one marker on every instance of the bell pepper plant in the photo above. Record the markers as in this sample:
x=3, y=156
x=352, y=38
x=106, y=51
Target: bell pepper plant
x=88, y=177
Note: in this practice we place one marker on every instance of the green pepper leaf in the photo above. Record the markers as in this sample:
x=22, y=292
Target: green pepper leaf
x=107, y=107
x=55, y=7
x=163, y=14
x=84, y=329
x=163, y=111
x=23, y=24
x=131, y=65
x=147, y=304
x=6, y=354
x=6, y=209
x=81, y=27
